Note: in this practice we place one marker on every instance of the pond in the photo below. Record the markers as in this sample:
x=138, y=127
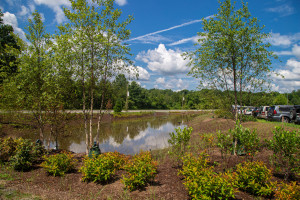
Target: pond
x=125, y=136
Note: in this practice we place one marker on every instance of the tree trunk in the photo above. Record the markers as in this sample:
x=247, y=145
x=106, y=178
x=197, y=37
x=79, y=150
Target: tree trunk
x=92, y=94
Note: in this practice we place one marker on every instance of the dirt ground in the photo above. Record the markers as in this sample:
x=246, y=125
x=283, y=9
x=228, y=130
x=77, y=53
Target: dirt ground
x=167, y=183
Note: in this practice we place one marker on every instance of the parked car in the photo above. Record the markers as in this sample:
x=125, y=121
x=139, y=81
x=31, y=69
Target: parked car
x=248, y=110
x=256, y=111
x=295, y=113
x=263, y=112
x=279, y=113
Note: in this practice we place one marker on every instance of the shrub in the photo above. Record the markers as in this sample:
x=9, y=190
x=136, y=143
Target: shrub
x=254, y=177
x=203, y=183
x=222, y=113
x=59, y=164
x=118, y=159
x=101, y=168
x=224, y=143
x=141, y=169
x=118, y=107
x=247, y=118
x=179, y=142
x=23, y=156
x=247, y=141
x=288, y=192
x=286, y=150
x=7, y=148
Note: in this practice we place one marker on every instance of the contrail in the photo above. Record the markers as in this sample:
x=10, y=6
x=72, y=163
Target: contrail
x=171, y=28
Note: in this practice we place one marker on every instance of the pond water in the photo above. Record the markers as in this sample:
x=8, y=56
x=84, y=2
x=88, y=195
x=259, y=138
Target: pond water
x=125, y=136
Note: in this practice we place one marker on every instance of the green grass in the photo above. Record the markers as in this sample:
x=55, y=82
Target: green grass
x=6, y=175
x=293, y=125
x=7, y=193
x=127, y=114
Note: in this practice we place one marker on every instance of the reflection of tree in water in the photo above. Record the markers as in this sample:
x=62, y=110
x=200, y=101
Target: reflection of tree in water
x=117, y=130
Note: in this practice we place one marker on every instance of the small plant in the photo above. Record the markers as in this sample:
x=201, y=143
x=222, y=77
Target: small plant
x=288, y=192
x=101, y=168
x=203, y=183
x=7, y=148
x=254, y=177
x=245, y=141
x=224, y=143
x=250, y=142
x=140, y=171
x=23, y=156
x=59, y=164
x=179, y=142
x=286, y=148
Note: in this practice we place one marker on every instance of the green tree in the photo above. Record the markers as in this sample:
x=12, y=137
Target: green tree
x=35, y=65
x=100, y=51
x=232, y=53
x=280, y=99
x=9, y=50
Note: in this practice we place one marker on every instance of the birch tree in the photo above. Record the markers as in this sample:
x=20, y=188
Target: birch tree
x=232, y=53
x=97, y=36
x=34, y=68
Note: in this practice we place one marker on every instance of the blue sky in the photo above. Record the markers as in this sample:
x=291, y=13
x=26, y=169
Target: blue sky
x=163, y=29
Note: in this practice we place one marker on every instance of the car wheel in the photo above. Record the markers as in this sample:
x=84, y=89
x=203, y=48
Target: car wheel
x=293, y=114
x=285, y=119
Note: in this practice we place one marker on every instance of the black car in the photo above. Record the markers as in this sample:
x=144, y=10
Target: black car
x=256, y=111
x=295, y=113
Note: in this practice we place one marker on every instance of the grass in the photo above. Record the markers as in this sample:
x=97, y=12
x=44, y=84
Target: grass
x=6, y=175
x=293, y=125
x=127, y=114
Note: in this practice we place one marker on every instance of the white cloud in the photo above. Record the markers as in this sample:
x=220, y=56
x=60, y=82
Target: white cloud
x=294, y=52
x=11, y=19
x=160, y=80
x=2, y=9
x=171, y=28
x=280, y=40
x=153, y=39
x=291, y=80
x=121, y=2
x=143, y=74
x=174, y=84
x=193, y=39
x=55, y=5
x=283, y=10
x=24, y=11
x=164, y=61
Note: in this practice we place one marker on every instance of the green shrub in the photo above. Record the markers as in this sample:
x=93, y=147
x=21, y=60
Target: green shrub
x=288, y=192
x=59, y=164
x=286, y=150
x=247, y=118
x=247, y=141
x=203, y=183
x=7, y=148
x=179, y=142
x=118, y=159
x=254, y=177
x=222, y=113
x=141, y=169
x=118, y=107
x=101, y=168
x=224, y=143
x=23, y=156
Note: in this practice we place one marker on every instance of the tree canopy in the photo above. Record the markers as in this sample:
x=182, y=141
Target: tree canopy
x=232, y=54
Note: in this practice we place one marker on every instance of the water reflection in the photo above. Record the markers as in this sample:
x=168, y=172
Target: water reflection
x=128, y=136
